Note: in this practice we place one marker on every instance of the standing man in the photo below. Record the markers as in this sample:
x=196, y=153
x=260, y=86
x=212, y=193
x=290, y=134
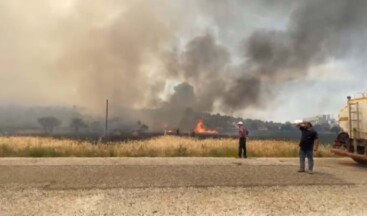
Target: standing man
x=243, y=133
x=309, y=143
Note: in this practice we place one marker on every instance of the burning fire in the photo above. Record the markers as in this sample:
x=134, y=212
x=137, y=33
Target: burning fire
x=199, y=128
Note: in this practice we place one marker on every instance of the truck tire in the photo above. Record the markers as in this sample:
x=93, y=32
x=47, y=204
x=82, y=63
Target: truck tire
x=342, y=140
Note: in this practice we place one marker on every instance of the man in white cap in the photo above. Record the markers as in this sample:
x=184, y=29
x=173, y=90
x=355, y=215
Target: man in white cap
x=243, y=133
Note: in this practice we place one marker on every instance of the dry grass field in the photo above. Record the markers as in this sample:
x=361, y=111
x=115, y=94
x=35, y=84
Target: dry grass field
x=165, y=146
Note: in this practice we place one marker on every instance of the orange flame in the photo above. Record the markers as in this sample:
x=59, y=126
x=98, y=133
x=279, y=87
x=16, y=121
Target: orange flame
x=199, y=128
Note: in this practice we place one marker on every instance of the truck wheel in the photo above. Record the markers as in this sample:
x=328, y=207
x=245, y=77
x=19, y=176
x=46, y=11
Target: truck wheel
x=342, y=140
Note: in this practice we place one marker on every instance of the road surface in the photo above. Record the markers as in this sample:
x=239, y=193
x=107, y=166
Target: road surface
x=180, y=186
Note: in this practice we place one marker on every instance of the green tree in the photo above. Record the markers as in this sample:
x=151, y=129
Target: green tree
x=49, y=124
x=287, y=127
x=77, y=123
x=335, y=129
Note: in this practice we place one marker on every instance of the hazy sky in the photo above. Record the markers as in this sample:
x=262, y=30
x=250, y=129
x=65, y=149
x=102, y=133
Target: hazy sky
x=272, y=60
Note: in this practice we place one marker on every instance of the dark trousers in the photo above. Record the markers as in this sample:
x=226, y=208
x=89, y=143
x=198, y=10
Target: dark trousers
x=302, y=158
x=242, y=147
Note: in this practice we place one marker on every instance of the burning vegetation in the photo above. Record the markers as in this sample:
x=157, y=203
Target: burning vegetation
x=200, y=128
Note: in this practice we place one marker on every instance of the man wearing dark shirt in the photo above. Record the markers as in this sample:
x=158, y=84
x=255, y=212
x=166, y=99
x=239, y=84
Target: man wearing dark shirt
x=242, y=133
x=309, y=143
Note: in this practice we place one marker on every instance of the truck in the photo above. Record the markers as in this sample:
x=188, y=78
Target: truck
x=352, y=140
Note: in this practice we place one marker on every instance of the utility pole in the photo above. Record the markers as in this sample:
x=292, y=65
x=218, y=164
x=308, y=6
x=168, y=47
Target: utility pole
x=106, y=126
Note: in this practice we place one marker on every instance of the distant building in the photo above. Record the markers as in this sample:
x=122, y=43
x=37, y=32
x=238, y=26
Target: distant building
x=322, y=119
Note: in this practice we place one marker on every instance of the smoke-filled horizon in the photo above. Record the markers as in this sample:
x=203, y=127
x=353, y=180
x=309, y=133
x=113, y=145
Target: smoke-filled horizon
x=232, y=57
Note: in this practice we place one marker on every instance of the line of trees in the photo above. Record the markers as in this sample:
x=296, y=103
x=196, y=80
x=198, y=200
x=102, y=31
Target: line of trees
x=50, y=123
x=225, y=125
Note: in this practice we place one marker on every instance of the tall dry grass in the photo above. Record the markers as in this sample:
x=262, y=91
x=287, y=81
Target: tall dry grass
x=165, y=146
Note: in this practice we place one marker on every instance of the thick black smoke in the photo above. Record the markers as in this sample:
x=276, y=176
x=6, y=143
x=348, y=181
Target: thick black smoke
x=203, y=64
x=317, y=32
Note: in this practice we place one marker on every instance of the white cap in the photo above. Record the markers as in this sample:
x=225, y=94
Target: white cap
x=240, y=123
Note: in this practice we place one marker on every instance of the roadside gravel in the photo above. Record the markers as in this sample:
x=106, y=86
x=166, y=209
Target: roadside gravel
x=199, y=187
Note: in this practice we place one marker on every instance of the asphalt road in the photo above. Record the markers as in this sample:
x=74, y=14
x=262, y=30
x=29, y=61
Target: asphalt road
x=180, y=186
